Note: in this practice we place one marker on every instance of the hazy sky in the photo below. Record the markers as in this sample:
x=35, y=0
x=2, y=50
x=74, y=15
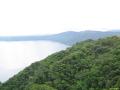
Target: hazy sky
x=27, y=17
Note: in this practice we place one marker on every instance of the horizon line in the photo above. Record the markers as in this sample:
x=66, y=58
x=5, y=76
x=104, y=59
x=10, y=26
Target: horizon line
x=115, y=30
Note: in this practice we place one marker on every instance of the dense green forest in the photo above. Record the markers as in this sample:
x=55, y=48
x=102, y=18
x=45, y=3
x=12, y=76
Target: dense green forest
x=88, y=65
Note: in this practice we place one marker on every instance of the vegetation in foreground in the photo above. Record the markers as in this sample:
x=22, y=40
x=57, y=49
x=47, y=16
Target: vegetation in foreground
x=89, y=65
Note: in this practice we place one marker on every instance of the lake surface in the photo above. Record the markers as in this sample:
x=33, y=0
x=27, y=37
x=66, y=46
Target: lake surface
x=15, y=56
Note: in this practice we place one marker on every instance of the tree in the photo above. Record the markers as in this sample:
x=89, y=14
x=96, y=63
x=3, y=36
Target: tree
x=39, y=87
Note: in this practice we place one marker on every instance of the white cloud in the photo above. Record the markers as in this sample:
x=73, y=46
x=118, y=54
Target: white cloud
x=24, y=17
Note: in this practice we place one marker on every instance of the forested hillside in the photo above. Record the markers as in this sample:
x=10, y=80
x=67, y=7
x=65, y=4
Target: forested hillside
x=88, y=65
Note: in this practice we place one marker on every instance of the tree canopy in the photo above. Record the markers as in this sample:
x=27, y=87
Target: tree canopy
x=89, y=65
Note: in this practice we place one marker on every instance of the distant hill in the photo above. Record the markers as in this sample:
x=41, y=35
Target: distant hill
x=68, y=38
x=89, y=65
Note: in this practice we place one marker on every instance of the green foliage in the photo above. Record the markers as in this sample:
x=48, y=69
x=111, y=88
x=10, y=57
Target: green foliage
x=39, y=87
x=89, y=65
x=0, y=83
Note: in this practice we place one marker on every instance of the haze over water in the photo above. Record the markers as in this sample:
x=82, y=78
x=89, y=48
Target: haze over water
x=15, y=56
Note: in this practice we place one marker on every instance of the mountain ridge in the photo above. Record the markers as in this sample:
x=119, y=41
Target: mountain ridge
x=69, y=37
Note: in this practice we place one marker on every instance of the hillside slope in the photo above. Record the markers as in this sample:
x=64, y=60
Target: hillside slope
x=89, y=65
x=68, y=38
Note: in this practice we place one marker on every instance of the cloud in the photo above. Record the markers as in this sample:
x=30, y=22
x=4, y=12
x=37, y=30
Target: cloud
x=27, y=17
